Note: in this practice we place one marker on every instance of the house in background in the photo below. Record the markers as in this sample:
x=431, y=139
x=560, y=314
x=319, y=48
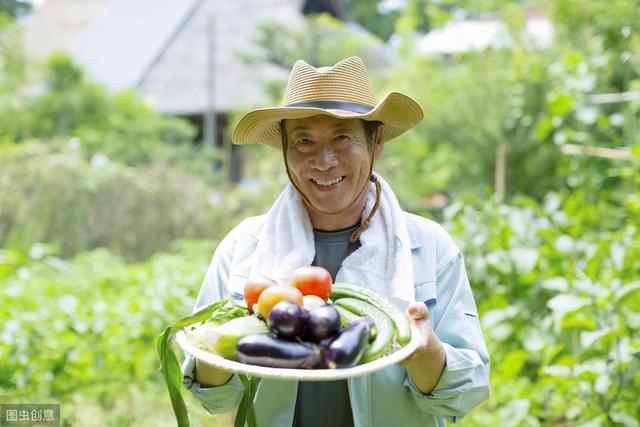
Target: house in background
x=459, y=36
x=182, y=56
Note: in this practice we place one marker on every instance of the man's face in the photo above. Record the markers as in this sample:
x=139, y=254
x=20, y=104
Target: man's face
x=329, y=162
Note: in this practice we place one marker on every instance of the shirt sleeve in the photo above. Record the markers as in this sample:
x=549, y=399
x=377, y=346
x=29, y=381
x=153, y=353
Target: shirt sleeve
x=225, y=397
x=464, y=383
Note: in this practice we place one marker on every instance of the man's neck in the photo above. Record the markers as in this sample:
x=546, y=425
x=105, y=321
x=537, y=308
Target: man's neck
x=331, y=223
x=346, y=219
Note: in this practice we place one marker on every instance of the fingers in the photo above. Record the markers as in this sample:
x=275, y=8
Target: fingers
x=418, y=311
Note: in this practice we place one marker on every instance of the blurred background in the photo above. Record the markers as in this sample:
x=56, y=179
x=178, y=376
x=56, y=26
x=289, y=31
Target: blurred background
x=118, y=178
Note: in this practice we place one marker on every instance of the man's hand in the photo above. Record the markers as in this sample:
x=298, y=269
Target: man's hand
x=426, y=364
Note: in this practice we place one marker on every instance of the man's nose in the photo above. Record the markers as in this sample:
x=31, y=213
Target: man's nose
x=325, y=158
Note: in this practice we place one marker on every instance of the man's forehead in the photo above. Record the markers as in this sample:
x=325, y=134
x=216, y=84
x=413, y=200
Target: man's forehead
x=307, y=123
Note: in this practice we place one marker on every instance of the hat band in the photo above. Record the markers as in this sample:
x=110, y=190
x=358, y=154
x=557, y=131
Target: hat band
x=333, y=105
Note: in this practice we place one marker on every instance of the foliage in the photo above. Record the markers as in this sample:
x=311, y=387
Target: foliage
x=80, y=327
x=321, y=40
x=472, y=106
x=386, y=18
x=557, y=285
x=14, y=8
x=50, y=193
x=531, y=102
x=12, y=58
x=119, y=126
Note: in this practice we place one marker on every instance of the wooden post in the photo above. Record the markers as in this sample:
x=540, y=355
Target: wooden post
x=210, y=130
x=607, y=153
x=500, y=171
x=612, y=98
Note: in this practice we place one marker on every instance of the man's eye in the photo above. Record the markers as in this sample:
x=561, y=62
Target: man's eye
x=344, y=138
x=303, y=141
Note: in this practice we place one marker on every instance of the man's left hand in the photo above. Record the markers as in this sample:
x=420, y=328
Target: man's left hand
x=426, y=364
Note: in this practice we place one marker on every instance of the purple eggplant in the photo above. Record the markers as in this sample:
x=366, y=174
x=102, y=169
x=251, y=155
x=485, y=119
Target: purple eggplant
x=267, y=350
x=286, y=319
x=346, y=349
x=323, y=322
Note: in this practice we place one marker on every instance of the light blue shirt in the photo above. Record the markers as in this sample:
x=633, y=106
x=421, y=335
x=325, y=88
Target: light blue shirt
x=386, y=397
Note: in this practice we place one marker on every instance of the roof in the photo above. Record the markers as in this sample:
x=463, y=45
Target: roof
x=55, y=24
x=478, y=35
x=122, y=41
x=177, y=82
x=160, y=47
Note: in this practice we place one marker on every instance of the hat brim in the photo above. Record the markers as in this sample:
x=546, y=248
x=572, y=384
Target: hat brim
x=396, y=111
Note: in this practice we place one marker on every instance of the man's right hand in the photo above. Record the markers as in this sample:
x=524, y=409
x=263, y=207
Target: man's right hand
x=210, y=376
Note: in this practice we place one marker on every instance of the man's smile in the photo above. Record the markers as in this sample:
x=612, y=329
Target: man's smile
x=327, y=183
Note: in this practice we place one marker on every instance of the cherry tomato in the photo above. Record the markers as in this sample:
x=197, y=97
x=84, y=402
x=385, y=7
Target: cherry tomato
x=253, y=288
x=311, y=280
x=273, y=295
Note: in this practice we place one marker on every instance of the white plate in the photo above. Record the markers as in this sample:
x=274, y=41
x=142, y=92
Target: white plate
x=299, y=374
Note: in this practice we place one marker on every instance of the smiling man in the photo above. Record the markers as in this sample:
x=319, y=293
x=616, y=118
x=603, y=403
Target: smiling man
x=339, y=214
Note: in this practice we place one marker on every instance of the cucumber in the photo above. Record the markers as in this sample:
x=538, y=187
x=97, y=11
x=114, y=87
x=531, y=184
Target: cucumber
x=346, y=316
x=398, y=318
x=384, y=328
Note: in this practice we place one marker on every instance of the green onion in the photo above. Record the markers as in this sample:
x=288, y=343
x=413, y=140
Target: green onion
x=218, y=313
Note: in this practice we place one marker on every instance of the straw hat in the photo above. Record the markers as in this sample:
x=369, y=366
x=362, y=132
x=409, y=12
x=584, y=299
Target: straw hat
x=343, y=91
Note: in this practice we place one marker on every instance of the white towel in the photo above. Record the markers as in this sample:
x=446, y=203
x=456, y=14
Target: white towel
x=382, y=262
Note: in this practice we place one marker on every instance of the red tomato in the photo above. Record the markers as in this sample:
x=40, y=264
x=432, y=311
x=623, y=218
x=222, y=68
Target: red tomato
x=253, y=288
x=273, y=295
x=312, y=281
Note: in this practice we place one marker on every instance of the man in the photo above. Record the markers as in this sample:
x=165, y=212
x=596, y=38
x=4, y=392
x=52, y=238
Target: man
x=339, y=214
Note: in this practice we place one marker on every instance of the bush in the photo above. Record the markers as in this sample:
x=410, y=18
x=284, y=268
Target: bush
x=120, y=126
x=53, y=195
x=80, y=331
x=558, y=290
x=472, y=105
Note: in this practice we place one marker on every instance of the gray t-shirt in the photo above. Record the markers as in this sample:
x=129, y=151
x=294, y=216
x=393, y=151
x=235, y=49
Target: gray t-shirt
x=326, y=403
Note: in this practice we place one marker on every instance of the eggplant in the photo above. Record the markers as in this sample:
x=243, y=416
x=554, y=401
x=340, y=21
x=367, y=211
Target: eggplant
x=286, y=319
x=267, y=350
x=323, y=322
x=346, y=350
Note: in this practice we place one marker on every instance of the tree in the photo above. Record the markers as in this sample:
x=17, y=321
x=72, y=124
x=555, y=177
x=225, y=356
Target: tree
x=14, y=8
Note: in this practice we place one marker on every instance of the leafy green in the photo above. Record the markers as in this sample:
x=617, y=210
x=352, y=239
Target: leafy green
x=169, y=366
x=246, y=410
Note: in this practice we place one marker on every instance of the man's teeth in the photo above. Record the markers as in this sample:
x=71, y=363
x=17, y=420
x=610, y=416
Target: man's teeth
x=330, y=182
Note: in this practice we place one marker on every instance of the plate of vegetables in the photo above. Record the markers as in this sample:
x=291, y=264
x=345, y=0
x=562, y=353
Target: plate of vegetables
x=305, y=329
x=308, y=329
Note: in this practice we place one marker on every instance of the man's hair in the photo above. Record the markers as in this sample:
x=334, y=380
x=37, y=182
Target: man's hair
x=370, y=129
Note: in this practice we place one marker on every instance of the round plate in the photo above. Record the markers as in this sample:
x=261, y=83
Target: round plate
x=299, y=374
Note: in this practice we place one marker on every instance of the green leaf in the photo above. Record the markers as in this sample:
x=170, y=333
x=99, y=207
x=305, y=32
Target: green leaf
x=560, y=105
x=169, y=363
x=580, y=321
x=525, y=259
x=624, y=419
x=629, y=296
x=512, y=364
x=557, y=371
x=566, y=303
x=246, y=409
x=588, y=338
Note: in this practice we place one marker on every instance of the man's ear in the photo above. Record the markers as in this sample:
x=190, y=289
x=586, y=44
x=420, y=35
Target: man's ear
x=379, y=142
